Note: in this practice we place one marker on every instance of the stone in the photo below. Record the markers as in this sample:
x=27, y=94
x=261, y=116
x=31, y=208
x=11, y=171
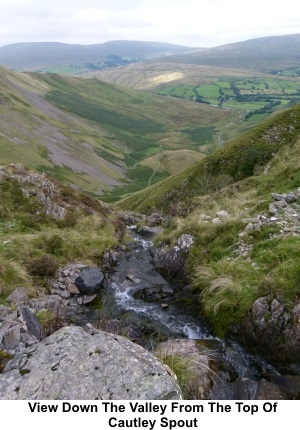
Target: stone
x=17, y=296
x=273, y=209
x=89, y=281
x=222, y=214
x=290, y=198
x=249, y=227
x=72, y=364
x=12, y=338
x=71, y=287
x=33, y=325
x=277, y=197
x=88, y=299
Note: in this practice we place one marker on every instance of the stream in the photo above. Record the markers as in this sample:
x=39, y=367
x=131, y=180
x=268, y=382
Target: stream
x=125, y=311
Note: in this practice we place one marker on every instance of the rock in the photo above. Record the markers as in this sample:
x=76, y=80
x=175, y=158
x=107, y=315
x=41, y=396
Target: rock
x=197, y=362
x=146, y=231
x=248, y=389
x=273, y=209
x=215, y=220
x=270, y=328
x=51, y=303
x=164, y=305
x=290, y=198
x=72, y=364
x=12, y=338
x=222, y=214
x=88, y=299
x=33, y=325
x=89, y=281
x=249, y=227
x=17, y=296
x=171, y=262
x=277, y=197
x=71, y=287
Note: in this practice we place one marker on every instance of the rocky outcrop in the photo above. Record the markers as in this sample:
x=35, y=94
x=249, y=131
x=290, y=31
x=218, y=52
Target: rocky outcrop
x=75, y=364
x=18, y=329
x=273, y=329
x=171, y=262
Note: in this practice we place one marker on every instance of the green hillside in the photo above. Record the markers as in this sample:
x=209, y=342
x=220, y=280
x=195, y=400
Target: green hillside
x=242, y=158
x=94, y=135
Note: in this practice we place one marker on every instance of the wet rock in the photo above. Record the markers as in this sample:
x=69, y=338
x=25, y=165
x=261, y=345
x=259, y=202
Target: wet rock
x=99, y=366
x=89, y=281
x=289, y=384
x=248, y=389
x=171, y=262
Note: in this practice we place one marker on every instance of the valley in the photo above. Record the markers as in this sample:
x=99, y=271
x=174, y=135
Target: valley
x=176, y=183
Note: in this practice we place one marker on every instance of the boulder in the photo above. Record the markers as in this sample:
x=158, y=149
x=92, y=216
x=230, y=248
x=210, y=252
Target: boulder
x=73, y=364
x=89, y=281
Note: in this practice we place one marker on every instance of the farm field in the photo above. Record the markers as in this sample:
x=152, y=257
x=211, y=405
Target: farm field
x=255, y=96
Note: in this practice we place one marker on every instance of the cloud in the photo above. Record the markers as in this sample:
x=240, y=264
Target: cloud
x=189, y=22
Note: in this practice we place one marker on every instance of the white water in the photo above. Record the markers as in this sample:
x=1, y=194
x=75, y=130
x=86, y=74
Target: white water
x=169, y=318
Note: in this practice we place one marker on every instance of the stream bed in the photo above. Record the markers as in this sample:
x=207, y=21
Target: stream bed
x=138, y=303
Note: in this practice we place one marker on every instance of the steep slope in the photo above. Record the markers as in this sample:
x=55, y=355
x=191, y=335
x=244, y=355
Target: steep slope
x=91, y=134
x=67, y=58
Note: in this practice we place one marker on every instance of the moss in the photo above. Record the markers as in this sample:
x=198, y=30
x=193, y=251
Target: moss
x=5, y=357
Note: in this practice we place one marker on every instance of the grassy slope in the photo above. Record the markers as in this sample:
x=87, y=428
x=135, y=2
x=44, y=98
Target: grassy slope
x=139, y=124
x=89, y=133
x=33, y=244
x=41, y=136
x=262, y=161
x=233, y=162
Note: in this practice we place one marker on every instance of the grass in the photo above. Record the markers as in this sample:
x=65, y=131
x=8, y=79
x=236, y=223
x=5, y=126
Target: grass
x=225, y=282
x=240, y=159
x=33, y=244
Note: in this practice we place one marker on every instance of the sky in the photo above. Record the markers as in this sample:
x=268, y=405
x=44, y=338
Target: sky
x=195, y=23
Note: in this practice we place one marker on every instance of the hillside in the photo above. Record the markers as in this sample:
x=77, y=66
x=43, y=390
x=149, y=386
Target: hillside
x=95, y=135
x=274, y=54
x=241, y=208
x=73, y=59
x=236, y=161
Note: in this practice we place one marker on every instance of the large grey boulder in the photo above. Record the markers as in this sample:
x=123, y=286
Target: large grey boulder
x=73, y=364
x=89, y=281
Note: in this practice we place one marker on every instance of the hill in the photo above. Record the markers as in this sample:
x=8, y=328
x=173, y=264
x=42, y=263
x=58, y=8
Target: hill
x=68, y=58
x=94, y=135
x=274, y=54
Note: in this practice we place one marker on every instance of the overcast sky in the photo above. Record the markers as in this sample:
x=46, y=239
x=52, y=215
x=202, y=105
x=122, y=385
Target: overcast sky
x=197, y=23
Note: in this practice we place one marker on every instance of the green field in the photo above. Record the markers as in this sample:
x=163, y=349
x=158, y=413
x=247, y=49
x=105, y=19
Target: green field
x=249, y=94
